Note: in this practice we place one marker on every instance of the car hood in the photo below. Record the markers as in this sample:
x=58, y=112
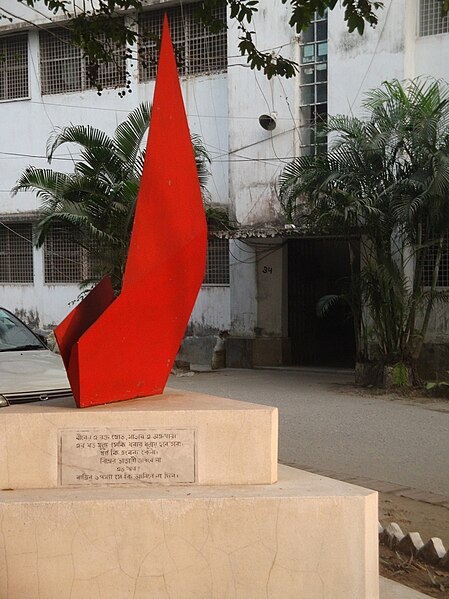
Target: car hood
x=22, y=371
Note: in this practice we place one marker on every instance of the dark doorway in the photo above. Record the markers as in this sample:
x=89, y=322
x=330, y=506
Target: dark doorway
x=319, y=267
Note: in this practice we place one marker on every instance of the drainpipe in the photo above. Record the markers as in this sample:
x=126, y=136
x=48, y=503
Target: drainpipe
x=297, y=109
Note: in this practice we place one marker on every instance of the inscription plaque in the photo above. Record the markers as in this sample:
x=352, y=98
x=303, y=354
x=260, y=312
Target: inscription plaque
x=105, y=456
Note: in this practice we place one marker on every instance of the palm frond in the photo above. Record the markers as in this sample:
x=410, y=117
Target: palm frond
x=325, y=304
x=384, y=177
x=129, y=135
x=84, y=135
x=96, y=202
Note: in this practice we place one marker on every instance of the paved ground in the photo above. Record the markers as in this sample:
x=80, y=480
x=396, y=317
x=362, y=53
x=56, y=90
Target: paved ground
x=392, y=590
x=327, y=425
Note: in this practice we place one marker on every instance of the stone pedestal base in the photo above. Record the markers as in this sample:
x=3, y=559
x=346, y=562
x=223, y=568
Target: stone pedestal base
x=304, y=537
x=235, y=441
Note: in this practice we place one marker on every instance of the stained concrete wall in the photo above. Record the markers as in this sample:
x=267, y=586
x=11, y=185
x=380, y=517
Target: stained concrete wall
x=392, y=50
x=212, y=311
x=257, y=156
x=271, y=284
x=359, y=63
x=243, y=299
x=246, y=160
x=272, y=346
x=25, y=126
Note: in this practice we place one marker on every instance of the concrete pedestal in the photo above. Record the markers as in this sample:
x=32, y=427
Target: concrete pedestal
x=305, y=537
x=302, y=537
x=236, y=441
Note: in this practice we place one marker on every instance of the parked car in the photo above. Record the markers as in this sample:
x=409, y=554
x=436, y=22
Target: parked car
x=29, y=371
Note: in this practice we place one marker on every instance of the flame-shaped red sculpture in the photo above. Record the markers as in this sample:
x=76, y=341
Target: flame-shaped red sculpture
x=117, y=349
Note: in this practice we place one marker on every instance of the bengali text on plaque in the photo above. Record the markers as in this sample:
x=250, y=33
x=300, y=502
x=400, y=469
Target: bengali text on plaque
x=126, y=456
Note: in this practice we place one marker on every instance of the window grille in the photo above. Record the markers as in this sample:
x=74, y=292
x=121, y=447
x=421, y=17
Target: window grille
x=16, y=253
x=217, y=262
x=14, y=67
x=198, y=51
x=429, y=264
x=431, y=21
x=64, y=260
x=63, y=68
x=113, y=73
x=313, y=85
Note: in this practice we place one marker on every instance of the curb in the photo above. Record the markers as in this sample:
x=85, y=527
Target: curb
x=381, y=486
x=433, y=551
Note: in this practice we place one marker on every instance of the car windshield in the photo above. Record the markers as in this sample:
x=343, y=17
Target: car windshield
x=14, y=335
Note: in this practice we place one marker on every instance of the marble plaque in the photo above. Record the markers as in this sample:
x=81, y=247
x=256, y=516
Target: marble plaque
x=117, y=456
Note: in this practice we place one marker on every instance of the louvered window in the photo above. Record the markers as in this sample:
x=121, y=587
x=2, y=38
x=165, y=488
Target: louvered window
x=14, y=67
x=64, y=69
x=431, y=21
x=16, y=253
x=217, y=262
x=198, y=51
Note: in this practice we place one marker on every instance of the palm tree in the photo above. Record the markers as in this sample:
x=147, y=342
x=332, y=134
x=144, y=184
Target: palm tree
x=96, y=201
x=385, y=181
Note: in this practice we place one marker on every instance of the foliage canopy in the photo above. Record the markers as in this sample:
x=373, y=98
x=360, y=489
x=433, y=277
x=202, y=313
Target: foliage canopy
x=96, y=201
x=90, y=22
x=384, y=185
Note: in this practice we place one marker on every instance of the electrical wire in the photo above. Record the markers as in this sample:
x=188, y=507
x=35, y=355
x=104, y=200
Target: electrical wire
x=218, y=158
x=264, y=250
x=370, y=64
x=258, y=259
x=40, y=157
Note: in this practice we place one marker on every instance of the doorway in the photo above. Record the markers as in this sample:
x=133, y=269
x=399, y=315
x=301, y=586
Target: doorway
x=316, y=268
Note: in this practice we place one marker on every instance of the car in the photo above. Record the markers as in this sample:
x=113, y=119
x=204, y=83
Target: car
x=29, y=371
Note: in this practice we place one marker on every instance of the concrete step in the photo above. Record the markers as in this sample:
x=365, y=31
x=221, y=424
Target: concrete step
x=389, y=589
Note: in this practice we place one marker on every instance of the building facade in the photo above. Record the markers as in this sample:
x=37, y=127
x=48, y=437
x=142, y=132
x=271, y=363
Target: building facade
x=262, y=279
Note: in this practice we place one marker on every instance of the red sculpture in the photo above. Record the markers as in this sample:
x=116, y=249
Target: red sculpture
x=117, y=349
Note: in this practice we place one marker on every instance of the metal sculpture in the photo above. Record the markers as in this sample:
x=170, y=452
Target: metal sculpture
x=120, y=348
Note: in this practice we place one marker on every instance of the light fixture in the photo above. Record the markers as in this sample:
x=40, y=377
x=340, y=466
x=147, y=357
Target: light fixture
x=268, y=121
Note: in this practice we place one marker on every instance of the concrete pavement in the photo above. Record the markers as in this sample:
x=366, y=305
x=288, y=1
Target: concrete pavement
x=327, y=425
x=388, y=589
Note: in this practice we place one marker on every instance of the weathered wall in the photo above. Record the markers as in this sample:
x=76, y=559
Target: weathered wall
x=359, y=63
x=246, y=160
x=271, y=285
x=257, y=156
x=243, y=297
x=25, y=126
x=212, y=311
x=392, y=50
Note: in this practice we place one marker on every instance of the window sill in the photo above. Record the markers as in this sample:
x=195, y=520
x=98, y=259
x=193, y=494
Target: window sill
x=7, y=101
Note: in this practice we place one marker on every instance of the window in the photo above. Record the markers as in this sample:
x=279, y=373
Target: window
x=431, y=21
x=63, y=68
x=217, y=262
x=313, y=85
x=64, y=260
x=14, y=67
x=429, y=264
x=198, y=51
x=16, y=253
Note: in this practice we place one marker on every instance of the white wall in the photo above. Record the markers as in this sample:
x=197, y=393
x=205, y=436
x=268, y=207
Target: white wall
x=25, y=126
x=212, y=311
x=243, y=277
x=223, y=109
x=272, y=289
x=424, y=56
x=359, y=63
x=431, y=56
x=392, y=50
x=256, y=155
